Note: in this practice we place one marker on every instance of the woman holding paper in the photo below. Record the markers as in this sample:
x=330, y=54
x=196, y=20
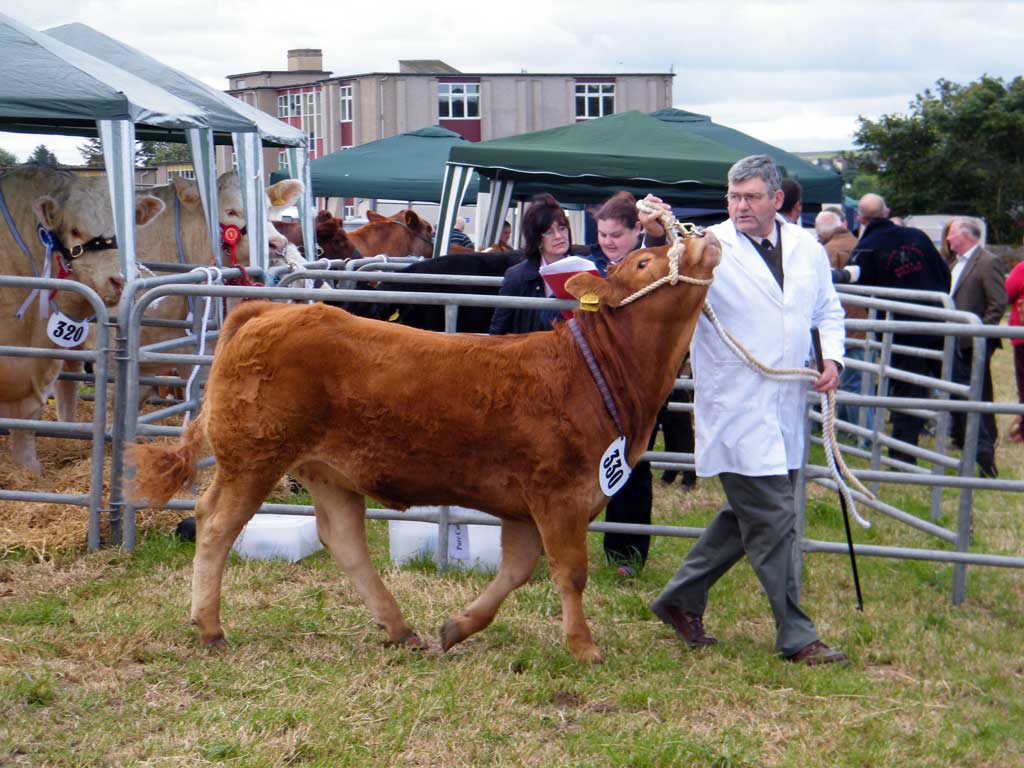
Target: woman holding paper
x=546, y=239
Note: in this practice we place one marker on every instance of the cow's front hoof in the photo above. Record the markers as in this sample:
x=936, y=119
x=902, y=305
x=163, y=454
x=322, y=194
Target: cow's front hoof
x=450, y=635
x=215, y=643
x=588, y=654
x=412, y=642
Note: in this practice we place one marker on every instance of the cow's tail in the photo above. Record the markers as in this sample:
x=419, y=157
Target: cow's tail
x=163, y=469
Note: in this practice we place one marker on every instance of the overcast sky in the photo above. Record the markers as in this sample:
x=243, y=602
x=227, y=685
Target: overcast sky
x=796, y=74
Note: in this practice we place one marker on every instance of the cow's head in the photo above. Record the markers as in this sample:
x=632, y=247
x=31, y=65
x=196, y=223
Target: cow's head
x=232, y=212
x=332, y=239
x=421, y=241
x=645, y=266
x=81, y=217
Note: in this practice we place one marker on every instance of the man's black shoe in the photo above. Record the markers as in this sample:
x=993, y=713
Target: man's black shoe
x=987, y=465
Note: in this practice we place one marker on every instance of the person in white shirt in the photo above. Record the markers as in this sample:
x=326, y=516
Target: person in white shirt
x=772, y=287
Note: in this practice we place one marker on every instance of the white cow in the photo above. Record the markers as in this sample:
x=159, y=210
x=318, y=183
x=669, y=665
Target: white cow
x=75, y=213
x=183, y=219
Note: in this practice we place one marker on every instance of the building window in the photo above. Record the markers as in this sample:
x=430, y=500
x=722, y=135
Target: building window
x=282, y=106
x=345, y=92
x=182, y=174
x=242, y=84
x=457, y=101
x=594, y=100
x=282, y=160
x=348, y=212
x=311, y=117
x=234, y=160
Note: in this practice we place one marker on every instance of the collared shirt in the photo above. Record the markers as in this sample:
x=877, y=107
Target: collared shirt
x=958, y=268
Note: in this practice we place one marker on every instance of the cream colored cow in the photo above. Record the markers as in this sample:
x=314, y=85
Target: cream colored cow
x=76, y=214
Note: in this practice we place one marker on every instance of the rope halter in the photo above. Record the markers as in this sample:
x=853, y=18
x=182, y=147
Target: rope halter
x=678, y=234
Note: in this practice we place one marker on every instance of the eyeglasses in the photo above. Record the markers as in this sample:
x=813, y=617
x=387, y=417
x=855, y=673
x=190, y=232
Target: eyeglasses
x=557, y=230
x=748, y=197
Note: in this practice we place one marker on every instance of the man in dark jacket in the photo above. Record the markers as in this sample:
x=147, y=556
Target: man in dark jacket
x=892, y=256
x=978, y=287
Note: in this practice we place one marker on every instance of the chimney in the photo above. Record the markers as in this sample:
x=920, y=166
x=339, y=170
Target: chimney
x=305, y=60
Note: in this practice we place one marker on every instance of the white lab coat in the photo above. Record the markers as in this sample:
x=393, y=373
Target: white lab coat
x=745, y=422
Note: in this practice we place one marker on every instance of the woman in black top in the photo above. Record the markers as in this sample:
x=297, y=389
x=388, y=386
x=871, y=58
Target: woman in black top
x=546, y=239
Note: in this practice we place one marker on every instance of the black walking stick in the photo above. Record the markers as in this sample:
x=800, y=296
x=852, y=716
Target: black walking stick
x=816, y=338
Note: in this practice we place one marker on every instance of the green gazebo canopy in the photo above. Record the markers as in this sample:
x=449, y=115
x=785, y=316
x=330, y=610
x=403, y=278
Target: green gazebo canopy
x=409, y=166
x=819, y=184
x=582, y=162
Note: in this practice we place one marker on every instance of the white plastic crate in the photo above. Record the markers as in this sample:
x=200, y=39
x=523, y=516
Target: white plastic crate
x=283, y=537
x=469, y=546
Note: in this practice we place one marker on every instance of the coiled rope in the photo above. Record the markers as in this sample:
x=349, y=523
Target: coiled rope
x=678, y=234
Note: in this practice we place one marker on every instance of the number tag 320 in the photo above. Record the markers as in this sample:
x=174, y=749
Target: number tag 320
x=614, y=471
x=65, y=332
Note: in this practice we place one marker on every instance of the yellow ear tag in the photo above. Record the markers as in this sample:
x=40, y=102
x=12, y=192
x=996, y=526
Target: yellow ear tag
x=394, y=316
x=589, y=302
x=277, y=201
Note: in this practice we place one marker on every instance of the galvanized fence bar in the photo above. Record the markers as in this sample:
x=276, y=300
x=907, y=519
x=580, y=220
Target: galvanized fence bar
x=945, y=322
x=98, y=357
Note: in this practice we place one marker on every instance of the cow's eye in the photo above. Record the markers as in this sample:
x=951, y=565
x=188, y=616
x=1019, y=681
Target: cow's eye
x=75, y=232
x=642, y=264
x=233, y=213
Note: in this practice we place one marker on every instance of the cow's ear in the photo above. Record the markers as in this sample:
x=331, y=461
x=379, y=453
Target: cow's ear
x=147, y=208
x=187, y=191
x=45, y=209
x=322, y=216
x=372, y=216
x=284, y=193
x=587, y=284
x=412, y=221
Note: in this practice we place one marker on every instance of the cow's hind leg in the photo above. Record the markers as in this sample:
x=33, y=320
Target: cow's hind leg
x=221, y=513
x=341, y=525
x=520, y=549
x=565, y=541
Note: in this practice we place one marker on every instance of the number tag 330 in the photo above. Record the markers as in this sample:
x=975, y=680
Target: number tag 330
x=614, y=471
x=65, y=332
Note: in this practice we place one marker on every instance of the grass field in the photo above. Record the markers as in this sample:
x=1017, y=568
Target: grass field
x=98, y=665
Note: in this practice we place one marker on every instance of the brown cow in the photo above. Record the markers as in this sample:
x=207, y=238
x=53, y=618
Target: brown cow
x=402, y=234
x=331, y=238
x=513, y=425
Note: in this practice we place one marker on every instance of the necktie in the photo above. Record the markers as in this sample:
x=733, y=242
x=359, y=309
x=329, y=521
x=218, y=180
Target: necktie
x=772, y=258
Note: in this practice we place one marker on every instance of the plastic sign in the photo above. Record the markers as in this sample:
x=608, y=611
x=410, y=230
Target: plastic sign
x=65, y=332
x=613, y=471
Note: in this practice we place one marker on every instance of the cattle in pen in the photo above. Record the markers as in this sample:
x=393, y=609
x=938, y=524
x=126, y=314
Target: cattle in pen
x=74, y=215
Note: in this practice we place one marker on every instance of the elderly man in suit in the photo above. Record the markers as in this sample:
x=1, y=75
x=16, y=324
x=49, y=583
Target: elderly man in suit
x=978, y=286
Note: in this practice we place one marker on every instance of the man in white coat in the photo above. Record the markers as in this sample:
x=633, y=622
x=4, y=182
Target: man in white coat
x=771, y=288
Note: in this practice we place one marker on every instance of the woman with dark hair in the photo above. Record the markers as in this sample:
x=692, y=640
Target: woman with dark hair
x=546, y=238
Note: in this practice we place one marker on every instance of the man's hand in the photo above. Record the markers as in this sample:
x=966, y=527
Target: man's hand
x=651, y=221
x=829, y=379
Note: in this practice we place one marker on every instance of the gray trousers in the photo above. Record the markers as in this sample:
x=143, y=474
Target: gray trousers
x=758, y=520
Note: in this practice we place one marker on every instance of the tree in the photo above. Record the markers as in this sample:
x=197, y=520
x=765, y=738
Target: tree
x=7, y=158
x=41, y=154
x=92, y=152
x=959, y=150
x=167, y=152
x=863, y=183
x=146, y=152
